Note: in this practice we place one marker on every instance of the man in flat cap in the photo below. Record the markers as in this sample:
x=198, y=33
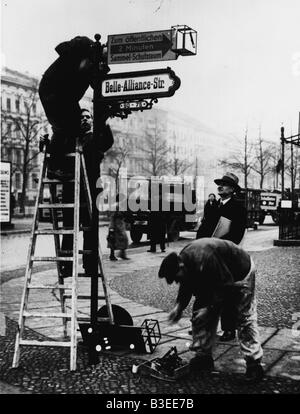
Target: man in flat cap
x=62, y=86
x=229, y=223
x=205, y=268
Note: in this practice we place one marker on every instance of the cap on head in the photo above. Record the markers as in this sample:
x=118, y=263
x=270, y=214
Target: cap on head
x=169, y=267
x=228, y=179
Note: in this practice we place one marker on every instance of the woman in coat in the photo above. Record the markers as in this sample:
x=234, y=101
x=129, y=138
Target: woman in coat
x=117, y=237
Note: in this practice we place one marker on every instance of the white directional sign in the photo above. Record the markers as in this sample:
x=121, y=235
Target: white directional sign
x=141, y=84
x=140, y=47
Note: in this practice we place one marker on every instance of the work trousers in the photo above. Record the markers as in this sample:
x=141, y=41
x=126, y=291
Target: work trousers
x=205, y=320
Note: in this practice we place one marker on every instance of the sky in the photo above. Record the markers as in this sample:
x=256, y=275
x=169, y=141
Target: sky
x=246, y=72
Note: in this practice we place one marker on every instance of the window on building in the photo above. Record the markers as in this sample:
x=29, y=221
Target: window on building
x=9, y=154
x=18, y=181
x=8, y=104
x=18, y=132
x=17, y=105
x=3, y=152
x=18, y=157
x=34, y=181
x=8, y=129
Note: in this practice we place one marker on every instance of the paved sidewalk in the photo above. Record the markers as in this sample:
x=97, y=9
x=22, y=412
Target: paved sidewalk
x=281, y=346
x=24, y=226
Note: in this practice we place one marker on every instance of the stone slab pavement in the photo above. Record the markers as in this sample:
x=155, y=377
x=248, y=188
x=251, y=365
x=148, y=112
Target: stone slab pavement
x=281, y=346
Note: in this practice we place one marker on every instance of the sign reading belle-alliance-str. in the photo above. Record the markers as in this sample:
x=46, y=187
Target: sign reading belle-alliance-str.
x=140, y=47
x=154, y=83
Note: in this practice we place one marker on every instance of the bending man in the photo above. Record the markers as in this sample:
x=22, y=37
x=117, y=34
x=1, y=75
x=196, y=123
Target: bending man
x=206, y=268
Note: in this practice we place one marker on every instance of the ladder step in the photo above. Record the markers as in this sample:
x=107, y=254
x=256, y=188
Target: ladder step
x=36, y=286
x=88, y=319
x=85, y=275
x=51, y=259
x=70, y=154
x=56, y=205
x=44, y=343
x=46, y=315
x=51, y=231
x=83, y=297
x=66, y=252
x=52, y=181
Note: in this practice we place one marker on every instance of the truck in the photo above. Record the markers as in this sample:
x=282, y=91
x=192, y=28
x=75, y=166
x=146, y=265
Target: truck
x=177, y=198
x=269, y=203
x=250, y=197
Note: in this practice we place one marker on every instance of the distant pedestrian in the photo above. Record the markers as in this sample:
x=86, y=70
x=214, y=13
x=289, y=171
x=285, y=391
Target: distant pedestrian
x=157, y=230
x=206, y=268
x=117, y=238
x=12, y=204
x=210, y=217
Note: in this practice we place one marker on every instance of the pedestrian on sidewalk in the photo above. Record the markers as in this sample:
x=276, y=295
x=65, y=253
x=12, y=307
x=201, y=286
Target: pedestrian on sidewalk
x=206, y=268
x=157, y=231
x=117, y=237
x=210, y=217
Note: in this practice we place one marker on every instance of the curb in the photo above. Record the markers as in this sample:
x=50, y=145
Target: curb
x=28, y=230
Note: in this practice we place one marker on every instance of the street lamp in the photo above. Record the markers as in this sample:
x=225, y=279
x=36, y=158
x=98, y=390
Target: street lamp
x=184, y=40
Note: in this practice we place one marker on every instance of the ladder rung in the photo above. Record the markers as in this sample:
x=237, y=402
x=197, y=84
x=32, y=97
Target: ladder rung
x=70, y=154
x=46, y=315
x=85, y=275
x=36, y=286
x=62, y=252
x=83, y=297
x=44, y=343
x=51, y=231
x=88, y=319
x=52, y=181
x=51, y=259
x=56, y=205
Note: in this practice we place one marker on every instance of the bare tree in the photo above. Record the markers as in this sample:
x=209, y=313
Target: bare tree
x=292, y=165
x=155, y=151
x=26, y=126
x=263, y=163
x=242, y=160
x=118, y=153
x=177, y=164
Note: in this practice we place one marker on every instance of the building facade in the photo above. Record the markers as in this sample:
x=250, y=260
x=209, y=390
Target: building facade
x=197, y=147
x=22, y=123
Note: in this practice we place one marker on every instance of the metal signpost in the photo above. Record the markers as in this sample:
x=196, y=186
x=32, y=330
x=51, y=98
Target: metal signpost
x=121, y=93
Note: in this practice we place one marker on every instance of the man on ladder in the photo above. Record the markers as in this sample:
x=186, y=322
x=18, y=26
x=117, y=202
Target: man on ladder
x=93, y=152
x=81, y=63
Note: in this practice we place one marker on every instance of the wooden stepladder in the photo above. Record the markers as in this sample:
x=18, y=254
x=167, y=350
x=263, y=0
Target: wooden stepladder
x=67, y=313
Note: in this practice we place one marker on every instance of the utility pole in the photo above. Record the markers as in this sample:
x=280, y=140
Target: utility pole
x=100, y=115
x=282, y=159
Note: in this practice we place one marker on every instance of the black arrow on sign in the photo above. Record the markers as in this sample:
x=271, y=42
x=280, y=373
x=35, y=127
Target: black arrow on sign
x=164, y=46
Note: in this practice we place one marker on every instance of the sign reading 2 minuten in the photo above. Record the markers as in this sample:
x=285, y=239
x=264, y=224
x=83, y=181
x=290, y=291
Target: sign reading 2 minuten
x=142, y=84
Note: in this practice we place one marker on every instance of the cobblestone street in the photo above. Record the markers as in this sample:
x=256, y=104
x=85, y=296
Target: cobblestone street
x=137, y=289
